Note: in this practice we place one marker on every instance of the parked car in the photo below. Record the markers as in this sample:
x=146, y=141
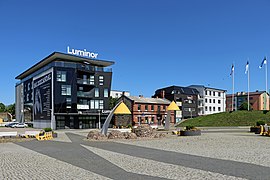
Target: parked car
x=19, y=125
x=11, y=124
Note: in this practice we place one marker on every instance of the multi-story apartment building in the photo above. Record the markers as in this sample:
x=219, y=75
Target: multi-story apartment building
x=258, y=100
x=64, y=91
x=186, y=98
x=211, y=100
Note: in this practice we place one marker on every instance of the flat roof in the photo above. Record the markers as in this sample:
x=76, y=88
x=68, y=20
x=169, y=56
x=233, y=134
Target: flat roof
x=148, y=100
x=68, y=57
x=206, y=87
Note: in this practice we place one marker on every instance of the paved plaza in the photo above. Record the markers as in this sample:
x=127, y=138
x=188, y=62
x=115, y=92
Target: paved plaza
x=234, y=154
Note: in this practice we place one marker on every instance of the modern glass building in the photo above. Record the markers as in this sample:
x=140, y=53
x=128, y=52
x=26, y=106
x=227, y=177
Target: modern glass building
x=64, y=91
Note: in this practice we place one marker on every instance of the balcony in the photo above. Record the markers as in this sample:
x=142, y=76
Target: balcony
x=89, y=68
x=85, y=81
x=82, y=106
x=84, y=94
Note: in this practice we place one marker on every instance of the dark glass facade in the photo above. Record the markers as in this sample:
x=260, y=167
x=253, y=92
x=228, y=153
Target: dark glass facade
x=75, y=97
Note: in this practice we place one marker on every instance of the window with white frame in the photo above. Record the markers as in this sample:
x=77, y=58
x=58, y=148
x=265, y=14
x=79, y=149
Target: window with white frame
x=68, y=100
x=106, y=93
x=96, y=92
x=101, y=104
x=61, y=76
x=66, y=90
x=101, y=80
x=92, y=80
x=92, y=104
x=96, y=104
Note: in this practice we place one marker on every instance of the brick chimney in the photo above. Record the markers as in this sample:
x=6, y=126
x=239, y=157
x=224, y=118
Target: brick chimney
x=162, y=94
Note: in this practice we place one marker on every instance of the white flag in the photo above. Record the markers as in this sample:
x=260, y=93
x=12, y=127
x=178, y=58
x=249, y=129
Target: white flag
x=247, y=68
x=263, y=62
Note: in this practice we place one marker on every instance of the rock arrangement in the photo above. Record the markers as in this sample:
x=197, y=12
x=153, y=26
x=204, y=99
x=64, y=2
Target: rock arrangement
x=139, y=132
x=114, y=134
x=96, y=135
x=143, y=131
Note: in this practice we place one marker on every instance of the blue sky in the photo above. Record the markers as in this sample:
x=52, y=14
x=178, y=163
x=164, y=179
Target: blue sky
x=154, y=43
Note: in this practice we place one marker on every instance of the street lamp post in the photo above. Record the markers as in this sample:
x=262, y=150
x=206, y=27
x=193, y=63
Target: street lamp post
x=99, y=126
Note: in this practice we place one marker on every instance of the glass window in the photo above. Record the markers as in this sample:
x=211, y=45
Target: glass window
x=214, y=101
x=219, y=94
x=210, y=93
x=92, y=104
x=214, y=108
x=205, y=100
x=214, y=93
x=66, y=90
x=146, y=119
x=106, y=93
x=152, y=120
x=101, y=80
x=101, y=104
x=219, y=109
x=61, y=76
x=205, y=92
x=92, y=80
x=206, y=108
x=146, y=107
x=210, y=108
x=96, y=92
x=139, y=107
x=96, y=104
x=219, y=101
x=210, y=100
x=152, y=107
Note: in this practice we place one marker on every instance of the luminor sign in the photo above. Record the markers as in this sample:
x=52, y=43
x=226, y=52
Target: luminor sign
x=83, y=53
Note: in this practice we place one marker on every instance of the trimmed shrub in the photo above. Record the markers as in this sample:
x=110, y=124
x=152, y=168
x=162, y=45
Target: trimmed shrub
x=265, y=111
x=189, y=128
x=258, y=123
x=47, y=129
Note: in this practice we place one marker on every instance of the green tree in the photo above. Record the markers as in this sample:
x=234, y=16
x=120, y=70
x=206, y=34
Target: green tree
x=11, y=109
x=244, y=106
x=113, y=102
x=2, y=107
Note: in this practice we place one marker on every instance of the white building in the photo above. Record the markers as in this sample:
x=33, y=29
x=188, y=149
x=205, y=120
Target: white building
x=211, y=100
x=118, y=94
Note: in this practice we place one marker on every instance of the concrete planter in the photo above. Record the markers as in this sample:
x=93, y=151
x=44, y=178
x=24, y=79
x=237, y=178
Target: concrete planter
x=54, y=134
x=190, y=133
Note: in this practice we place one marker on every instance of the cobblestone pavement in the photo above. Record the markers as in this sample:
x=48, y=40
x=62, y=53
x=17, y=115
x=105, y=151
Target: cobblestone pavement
x=73, y=157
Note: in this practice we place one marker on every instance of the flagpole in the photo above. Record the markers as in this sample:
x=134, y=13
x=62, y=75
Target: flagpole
x=248, y=83
x=266, y=74
x=233, y=88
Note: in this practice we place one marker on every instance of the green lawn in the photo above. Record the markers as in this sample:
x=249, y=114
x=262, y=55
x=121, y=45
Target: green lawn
x=237, y=118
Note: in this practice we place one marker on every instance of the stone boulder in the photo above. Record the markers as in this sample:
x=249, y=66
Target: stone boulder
x=159, y=135
x=131, y=136
x=143, y=131
x=114, y=134
x=96, y=135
